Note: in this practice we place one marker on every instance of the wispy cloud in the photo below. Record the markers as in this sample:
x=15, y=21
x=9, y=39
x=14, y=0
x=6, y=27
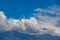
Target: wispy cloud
x=50, y=14
x=51, y=10
x=38, y=24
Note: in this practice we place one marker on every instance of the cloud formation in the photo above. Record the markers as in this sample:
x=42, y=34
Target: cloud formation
x=40, y=23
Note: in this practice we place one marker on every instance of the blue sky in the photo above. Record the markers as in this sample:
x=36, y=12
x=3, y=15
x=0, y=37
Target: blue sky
x=17, y=8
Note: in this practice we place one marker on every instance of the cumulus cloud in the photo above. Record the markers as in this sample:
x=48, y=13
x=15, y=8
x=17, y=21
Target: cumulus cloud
x=38, y=24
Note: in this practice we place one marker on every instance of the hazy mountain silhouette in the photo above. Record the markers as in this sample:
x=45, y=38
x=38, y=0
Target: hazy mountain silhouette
x=14, y=35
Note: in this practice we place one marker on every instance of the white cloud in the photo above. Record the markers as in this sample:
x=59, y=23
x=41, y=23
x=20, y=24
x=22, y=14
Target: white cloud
x=50, y=14
x=50, y=10
x=35, y=25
